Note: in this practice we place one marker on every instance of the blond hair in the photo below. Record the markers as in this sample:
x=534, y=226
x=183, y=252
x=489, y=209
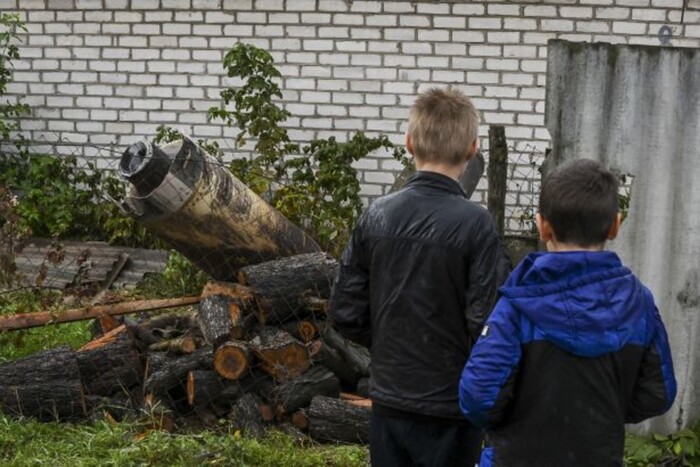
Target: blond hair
x=443, y=125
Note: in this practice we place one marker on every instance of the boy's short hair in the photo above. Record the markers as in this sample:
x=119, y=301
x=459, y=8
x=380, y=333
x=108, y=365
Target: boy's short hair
x=580, y=201
x=443, y=124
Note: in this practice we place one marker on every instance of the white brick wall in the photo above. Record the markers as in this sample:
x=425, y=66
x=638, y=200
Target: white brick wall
x=103, y=71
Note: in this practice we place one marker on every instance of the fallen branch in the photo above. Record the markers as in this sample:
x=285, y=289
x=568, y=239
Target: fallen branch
x=41, y=318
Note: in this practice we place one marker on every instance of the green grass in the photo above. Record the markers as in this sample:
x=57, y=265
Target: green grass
x=30, y=443
x=17, y=344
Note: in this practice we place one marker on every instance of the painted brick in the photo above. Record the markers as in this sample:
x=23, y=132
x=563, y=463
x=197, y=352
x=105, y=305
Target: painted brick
x=485, y=23
x=434, y=35
x=381, y=20
x=625, y=27
x=540, y=11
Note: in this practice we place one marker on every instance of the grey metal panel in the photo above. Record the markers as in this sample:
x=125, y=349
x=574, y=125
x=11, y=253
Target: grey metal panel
x=95, y=259
x=635, y=108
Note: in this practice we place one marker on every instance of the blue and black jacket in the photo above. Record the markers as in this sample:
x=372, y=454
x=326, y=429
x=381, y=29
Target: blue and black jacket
x=574, y=349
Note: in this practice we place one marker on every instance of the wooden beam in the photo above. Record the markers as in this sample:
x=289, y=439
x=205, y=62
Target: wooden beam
x=41, y=318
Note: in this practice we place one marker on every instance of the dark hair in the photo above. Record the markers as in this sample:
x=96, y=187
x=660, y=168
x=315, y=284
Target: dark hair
x=580, y=201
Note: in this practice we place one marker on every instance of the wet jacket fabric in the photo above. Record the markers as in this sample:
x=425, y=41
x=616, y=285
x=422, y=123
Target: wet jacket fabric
x=416, y=283
x=574, y=349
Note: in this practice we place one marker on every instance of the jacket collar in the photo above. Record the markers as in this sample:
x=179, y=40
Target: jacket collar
x=437, y=181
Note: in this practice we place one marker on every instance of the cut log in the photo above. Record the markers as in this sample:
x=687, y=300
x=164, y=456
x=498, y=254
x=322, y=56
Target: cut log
x=363, y=387
x=45, y=386
x=305, y=330
x=229, y=289
x=267, y=412
x=322, y=353
x=245, y=416
x=355, y=359
x=298, y=392
x=179, y=345
x=40, y=318
x=221, y=318
x=205, y=387
x=316, y=305
x=338, y=421
x=142, y=335
x=280, y=355
x=300, y=419
x=173, y=372
x=110, y=364
x=281, y=285
x=107, y=323
x=232, y=360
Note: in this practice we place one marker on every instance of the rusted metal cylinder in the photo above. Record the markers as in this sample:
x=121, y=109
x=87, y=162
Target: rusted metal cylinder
x=203, y=211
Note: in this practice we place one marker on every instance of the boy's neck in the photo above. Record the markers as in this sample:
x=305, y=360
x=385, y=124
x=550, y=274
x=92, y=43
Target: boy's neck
x=554, y=246
x=452, y=171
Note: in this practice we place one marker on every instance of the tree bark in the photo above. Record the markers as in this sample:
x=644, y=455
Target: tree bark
x=305, y=330
x=245, y=416
x=356, y=358
x=45, y=386
x=205, y=387
x=281, y=285
x=322, y=353
x=298, y=392
x=338, y=421
x=110, y=364
x=221, y=318
x=173, y=371
x=280, y=354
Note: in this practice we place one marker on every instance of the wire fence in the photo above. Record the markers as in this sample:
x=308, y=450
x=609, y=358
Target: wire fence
x=256, y=350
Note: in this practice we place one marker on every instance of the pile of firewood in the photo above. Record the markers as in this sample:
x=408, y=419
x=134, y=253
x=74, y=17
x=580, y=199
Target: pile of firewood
x=259, y=352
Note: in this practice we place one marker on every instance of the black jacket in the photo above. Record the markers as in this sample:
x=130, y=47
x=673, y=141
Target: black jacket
x=416, y=283
x=574, y=349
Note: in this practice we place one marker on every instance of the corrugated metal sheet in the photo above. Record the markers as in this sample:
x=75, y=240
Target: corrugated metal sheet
x=635, y=108
x=87, y=263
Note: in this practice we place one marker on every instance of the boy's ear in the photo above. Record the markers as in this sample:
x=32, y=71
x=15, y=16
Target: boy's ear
x=615, y=227
x=409, y=143
x=545, y=228
x=473, y=149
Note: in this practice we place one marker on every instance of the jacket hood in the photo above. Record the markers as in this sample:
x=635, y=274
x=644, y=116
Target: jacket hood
x=586, y=303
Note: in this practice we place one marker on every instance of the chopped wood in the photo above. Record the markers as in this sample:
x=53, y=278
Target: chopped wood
x=300, y=419
x=280, y=354
x=179, y=345
x=316, y=304
x=40, y=318
x=232, y=359
x=245, y=416
x=322, y=353
x=338, y=421
x=174, y=371
x=298, y=392
x=266, y=412
x=362, y=388
x=281, y=285
x=221, y=318
x=355, y=356
x=229, y=289
x=205, y=387
x=107, y=323
x=305, y=330
x=110, y=363
x=45, y=385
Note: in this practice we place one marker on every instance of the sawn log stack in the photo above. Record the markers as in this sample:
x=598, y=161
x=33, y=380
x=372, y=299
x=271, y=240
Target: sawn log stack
x=259, y=352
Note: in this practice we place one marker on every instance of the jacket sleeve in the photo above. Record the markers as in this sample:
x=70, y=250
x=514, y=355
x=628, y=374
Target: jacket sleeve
x=349, y=310
x=488, y=268
x=655, y=388
x=487, y=384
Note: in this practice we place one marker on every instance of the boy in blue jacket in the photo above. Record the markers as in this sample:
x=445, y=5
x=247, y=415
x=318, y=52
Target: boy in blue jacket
x=575, y=347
